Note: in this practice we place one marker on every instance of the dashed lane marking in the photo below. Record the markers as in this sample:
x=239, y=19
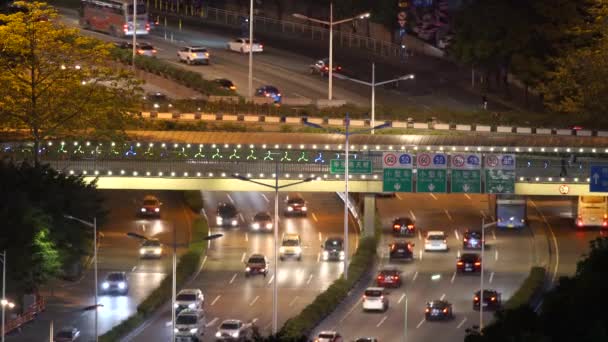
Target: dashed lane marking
x=271, y=279
x=246, y=236
x=232, y=279
x=398, y=197
x=293, y=300
x=419, y=235
x=215, y=300
x=467, y=196
x=420, y=253
x=496, y=255
x=319, y=257
x=420, y=324
x=461, y=323
x=254, y=300
x=442, y=297
x=434, y=197
x=491, y=277
x=309, y=279
x=401, y=298
x=265, y=198
x=314, y=217
x=211, y=322
x=448, y=214
x=230, y=198
x=412, y=214
x=415, y=276
x=320, y=237
x=381, y=321
x=242, y=217
x=456, y=233
x=243, y=257
x=453, y=277
x=493, y=235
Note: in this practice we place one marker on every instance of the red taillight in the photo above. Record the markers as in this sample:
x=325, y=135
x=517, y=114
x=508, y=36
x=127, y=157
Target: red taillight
x=125, y=27
x=396, y=226
x=476, y=298
x=392, y=247
x=427, y=310
x=140, y=51
x=396, y=277
x=465, y=239
x=493, y=298
x=579, y=221
x=409, y=247
x=445, y=310
x=147, y=27
x=380, y=277
x=154, y=51
x=477, y=263
x=460, y=263
x=261, y=46
x=339, y=68
x=410, y=226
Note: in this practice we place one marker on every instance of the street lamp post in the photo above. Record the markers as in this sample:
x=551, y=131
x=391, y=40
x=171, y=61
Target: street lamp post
x=134, y=31
x=94, y=226
x=483, y=243
x=347, y=133
x=373, y=85
x=405, y=320
x=276, y=188
x=250, y=75
x=3, y=289
x=331, y=24
x=4, y=303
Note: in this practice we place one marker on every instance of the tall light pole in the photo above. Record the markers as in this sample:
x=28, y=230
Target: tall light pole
x=483, y=244
x=4, y=303
x=134, y=31
x=250, y=79
x=331, y=24
x=405, y=319
x=373, y=85
x=276, y=188
x=94, y=226
x=3, y=289
x=347, y=133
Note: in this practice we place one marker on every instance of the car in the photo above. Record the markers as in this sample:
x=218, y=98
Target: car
x=404, y=226
x=374, y=299
x=492, y=299
x=291, y=247
x=226, y=215
x=388, y=278
x=437, y=310
x=295, y=205
x=328, y=336
x=194, y=55
x=67, y=334
x=468, y=262
x=333, y=249
x=242, y=45
x=146, y=49
x=322, y=67
x=232, y=330
x=190, y=325
x=225, y=84
x=150, y=207
x=366, y=339
x=270, y=92
x=158, y=100
x=189, y=299
x=401, y=250
x=256, y=264
x=262, y=222
x=435, y=241
x=471, y=239
x=151, y=248
x=115, y=282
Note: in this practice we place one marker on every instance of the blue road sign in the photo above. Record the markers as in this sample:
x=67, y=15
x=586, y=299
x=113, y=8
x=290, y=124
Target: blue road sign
x=598, y=180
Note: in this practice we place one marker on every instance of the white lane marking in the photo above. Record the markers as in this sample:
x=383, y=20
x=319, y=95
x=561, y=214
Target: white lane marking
x=412, y=214
x=230, y=198
x=211, y=322
x=309, y=279
x=231, y=280
x=420, y=235
x=320, y=237
x=204, y=261
x=266, y=198
x=381, y=321
x=493, y=235
x=271, y=279
x=419, y=324
x=254, y=300
x=314, y=217
x=143, y=227
x=243, y=257
x=461, y=323
x=456, y=233
x=496, y=254
x=246, y=236
x=134, y=268
x=453, y=277
x=442, y=297
x=204, y=213
x=351, y=310
x=319, y=257
x=242, y=217
x=415, y=276
x=398, y=197
x=467, y=196
x=434, y=197
x=554, y=241
x=215, y=300
x=458, y=253
x=448, y=214
x=491, y=277
x=293, y=300
x=401, y=298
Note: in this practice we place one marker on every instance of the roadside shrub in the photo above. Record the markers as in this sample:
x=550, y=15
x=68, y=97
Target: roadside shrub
x=528, y=289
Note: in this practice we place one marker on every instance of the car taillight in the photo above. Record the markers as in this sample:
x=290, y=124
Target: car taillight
x=427, y=310
x=140, y=51
x=147, y=27
x=445, y=241
x=465, y=239
x=339, y=68
x=477, y=263
x=476, y=298
x=396, y=226
x=445, y=310
x=460, y=263
x=261, y=46
x=392, y=247
x=409, y=247
x=410, y=226
x=493, y=298
x=153, y=50
x=125, y=27
x=579, y=221
x=380, y=277
x=396, y=277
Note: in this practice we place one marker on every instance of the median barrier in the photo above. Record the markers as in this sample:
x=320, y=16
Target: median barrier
x=523, y=130
x=602, y=133
x=357, y=123
x=296, y=101
x=318, y=121
x=399, y=124
x=165, y=116
x=272, y=119
x=504, y=129
x=463, y=127
x=187, y=116
x=545, y=131
x=324, y=103
x=442, y=126
x=583, y=133
x=421, y=125
x=563, y=131
x=217, y=98
x=251, y=118
x=230, y=117
x=145, y=115
x=482, y=128
x=335, y=122
x=208, y=117
x=293, y=120
x=262, y=100
x=530, y=288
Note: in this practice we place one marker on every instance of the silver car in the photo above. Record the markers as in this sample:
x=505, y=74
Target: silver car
x=194, y=55
x=232, y=330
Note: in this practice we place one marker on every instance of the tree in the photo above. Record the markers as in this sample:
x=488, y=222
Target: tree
x=54, y=80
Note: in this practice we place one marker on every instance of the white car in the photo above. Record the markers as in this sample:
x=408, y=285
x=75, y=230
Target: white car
x=193, y=55
x=151, y=248
x=232, y=329
x=242, y=45
x=374, y=299
x=328, y=336
x=291, y=246
x=189, y=299
x=190, y=325
x=435, y=241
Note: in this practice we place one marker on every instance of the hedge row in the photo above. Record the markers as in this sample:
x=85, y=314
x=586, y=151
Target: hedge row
x=187, y=265
x=528, y=289
x=326, y=302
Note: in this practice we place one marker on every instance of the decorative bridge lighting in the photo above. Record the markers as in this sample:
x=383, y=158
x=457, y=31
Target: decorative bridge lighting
x=314, y=146
x=517, y=149
x=363, y=177
x=251, y=146
x=390, y=147
x=416, y=148
x=440, y=148
x=402, y=148
x=555, y=149
x=274, y=175
x=576, y=179
x=238, y=146
x=581, y=149
x=375, y=176
x=300, y=176
x=287, y=175
x=453, y=148
x=134, y=173
x=109, y=173
x=491, y=149
x=225, y=145
x=521, y=179
x=325, y=176
x=172, y=174
x=466, y=148
x=568, y=149
x=249, y=175
x=261, y=175
x=350, y=176
x=89, y=143
x=479, y=148
x=550, y=179
x=593, y=150
x=213, y=146
x=163, y=145
x=84, y=172
x=276, y=146
x=377, y=147
x=337, y=176
x=151, y=144
x=504, y=149
x=50, y=143
x=289, y=146
x=75, y=143
x=529, y=149
x=537, y=179
x=122, y=172
x=210, y=174
x=588, y=179
x=160, y=174
x=339, y=147
x=428, y=148
x=223, y=174
x=96, y=172
x=264, y=146
x=562, y=179
x=365, y=147
x=542, y=149
x=188, y=146
x=147, y=173
x=185, y=174
x=198, y=174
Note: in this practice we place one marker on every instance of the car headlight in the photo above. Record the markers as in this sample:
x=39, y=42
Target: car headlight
x=325, y=255
x=176, y=306
x=235, y=222
x=143, y=210
x=219, y=220
x=158, y=251
x=289, y=208
x=268, y=225
x=235, y=334
x=218, y=334
x=157, y=210
x=193, y=330
x=142, y=251
x=342, y=255
x=191, y=306
x=298, y=250
x=282, y=249
x=122, y=285
x=255, y=226
x=247, y=268
x=304, y=208
x=176, y=330
x=105, y=285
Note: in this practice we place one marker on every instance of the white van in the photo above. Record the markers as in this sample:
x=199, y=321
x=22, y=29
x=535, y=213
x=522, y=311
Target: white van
x=190, y=325
x=592, y=212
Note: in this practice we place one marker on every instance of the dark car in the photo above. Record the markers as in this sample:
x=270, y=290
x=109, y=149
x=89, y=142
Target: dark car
x=256, y=264
x=401, y=250
x=333, y=248
x=404, y=226
x=491, y=300
x=322, y=67
x=262, y=222
x=225, y=84
x=67, y=334
x=438, y=309
x=388, y=278
x=270, y=92
x=469, y=262
x=150, y=207
x=471, y=239
x=295, y=205
x=226, y=215
x=366, y=339
x=115, y=282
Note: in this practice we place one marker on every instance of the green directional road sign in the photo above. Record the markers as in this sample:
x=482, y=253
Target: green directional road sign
x=466, y=181
x=500, y=181
x=355, y=166
x=431, y=180
x=397, y=180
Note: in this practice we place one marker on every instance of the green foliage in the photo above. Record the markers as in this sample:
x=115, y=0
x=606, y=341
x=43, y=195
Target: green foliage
x=530, y=287
x=123, y=328
x=194, y=200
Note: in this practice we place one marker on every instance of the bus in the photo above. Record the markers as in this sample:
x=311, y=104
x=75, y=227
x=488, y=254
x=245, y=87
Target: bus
x=592, y=211
x=114, y=17
x=511, y=211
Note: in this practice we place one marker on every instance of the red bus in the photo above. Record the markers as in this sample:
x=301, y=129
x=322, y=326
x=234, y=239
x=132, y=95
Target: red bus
x=114, y=17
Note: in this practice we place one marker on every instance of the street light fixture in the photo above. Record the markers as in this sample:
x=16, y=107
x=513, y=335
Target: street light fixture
x=3, y=300
x=347, y=133
x=374, y=84
x=276, y=188
x=331, y=24
x=483, y=243
x=94, y=226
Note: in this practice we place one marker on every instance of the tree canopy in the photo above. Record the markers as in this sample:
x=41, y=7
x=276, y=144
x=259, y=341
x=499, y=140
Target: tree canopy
x=54, y=80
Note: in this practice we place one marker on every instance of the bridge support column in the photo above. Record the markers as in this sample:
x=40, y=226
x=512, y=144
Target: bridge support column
x=369, y=215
